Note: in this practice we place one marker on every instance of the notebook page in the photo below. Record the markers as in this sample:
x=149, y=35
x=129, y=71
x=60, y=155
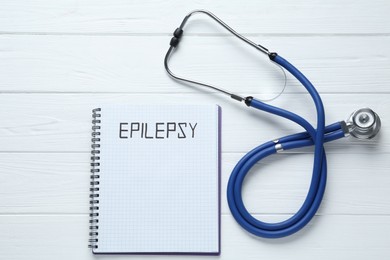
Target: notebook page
x=159, y=179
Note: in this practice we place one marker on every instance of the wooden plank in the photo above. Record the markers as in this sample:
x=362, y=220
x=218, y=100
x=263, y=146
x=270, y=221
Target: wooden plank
x=46, y=183
x=116, y=16
x=132, y=64
x=62, y=123
x=326, y=237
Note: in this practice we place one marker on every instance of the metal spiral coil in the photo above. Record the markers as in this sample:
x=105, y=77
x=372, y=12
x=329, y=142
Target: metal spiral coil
x=94, y=183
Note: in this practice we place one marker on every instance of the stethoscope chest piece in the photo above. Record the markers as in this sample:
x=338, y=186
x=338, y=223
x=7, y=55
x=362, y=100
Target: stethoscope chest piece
x=364, y=124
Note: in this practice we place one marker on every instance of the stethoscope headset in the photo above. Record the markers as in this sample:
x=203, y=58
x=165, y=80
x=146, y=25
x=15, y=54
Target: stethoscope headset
x=363, y=124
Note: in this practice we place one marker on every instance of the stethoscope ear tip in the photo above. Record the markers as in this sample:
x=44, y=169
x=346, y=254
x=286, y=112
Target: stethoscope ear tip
x=364, y=123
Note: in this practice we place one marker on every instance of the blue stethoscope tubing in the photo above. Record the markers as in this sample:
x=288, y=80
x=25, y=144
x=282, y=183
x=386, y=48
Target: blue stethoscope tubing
x=316, y=136
x=312, y=136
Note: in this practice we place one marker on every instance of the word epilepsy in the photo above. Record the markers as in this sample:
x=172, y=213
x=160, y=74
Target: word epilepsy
x=158, y=130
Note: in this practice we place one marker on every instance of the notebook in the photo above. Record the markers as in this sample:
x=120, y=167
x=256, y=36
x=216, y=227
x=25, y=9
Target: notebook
x=155, y=179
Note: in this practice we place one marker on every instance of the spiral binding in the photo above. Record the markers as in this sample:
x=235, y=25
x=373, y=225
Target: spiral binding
x=94, y=188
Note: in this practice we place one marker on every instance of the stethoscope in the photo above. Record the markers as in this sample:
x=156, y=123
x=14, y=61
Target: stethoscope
x=363, y=124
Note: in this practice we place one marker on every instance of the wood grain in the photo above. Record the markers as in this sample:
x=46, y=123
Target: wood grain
x=62, y=122
x=134, y=64
x=58, y=60
x=46, y=183
x=63, y=237
x=156, y=16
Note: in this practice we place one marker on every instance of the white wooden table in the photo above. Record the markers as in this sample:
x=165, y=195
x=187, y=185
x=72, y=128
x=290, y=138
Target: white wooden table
x=60, y=59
